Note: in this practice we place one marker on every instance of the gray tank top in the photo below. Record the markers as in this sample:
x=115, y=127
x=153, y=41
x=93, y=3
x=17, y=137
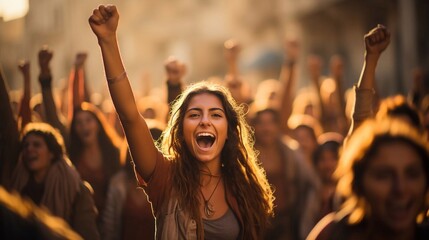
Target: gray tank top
x=225, y=227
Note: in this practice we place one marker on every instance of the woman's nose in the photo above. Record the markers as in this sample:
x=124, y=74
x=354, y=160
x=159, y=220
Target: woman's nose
x=205, y=121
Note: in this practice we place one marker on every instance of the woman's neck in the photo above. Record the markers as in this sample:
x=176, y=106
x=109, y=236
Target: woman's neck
x=209, y=171
x=377, y=231
x=40, y=176
x=91, y=146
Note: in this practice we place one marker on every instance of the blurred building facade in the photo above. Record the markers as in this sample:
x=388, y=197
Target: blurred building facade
x=194, y=31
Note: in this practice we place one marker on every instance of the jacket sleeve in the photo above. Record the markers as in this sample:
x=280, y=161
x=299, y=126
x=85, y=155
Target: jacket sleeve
x=84, y=214
x=111, y=217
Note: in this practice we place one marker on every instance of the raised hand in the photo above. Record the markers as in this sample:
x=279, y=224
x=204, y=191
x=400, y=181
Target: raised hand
x=175, y=70
x=104, y=22
x=377, y=40
x=24, y=108
x=80, y=59
x=232, y=78
x=232, y=50
x=24, y=67
x=45, y=56
x=291, y=50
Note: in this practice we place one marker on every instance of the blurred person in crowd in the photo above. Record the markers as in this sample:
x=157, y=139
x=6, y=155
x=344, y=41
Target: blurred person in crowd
x=376, y=41
x=93, y=144
x=305, y=130
x=329, y=93
x=233, y=80
x=383, y=175
x=383, y=170
x=94, y=149
x=294, y=185
x=46, y=176
x=293, y=178
x=174, y=70
x=420, y=86
x=206, y=183
x=128, y=213
x=325, y=160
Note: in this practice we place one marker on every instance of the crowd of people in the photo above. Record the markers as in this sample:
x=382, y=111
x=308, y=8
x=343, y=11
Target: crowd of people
x=211, y=161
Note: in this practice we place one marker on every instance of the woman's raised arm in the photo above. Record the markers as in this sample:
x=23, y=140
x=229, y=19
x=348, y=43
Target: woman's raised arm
x=104, y=22
x=376, y=41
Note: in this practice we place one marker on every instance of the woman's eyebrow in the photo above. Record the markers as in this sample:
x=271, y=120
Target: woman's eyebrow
x=200, y=110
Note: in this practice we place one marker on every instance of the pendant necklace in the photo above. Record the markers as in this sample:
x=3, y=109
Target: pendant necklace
x=208, y=207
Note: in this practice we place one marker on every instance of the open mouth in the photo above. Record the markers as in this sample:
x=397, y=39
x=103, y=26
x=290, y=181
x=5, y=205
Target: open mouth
x=399, y=210
x=205, y=140
x=30, y=159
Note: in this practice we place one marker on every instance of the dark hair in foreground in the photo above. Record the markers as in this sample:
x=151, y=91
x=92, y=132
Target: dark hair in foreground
x=243, y=176
x=22, y=219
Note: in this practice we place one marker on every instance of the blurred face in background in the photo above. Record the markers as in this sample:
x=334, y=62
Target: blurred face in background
x=267, y=128
x=306, y=139
x=326, y=164
x=394, y=185
x=86, y=127
x=36, y=154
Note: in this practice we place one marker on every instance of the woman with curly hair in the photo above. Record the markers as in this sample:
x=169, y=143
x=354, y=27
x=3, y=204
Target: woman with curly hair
x=46, y=176
x=204, y=181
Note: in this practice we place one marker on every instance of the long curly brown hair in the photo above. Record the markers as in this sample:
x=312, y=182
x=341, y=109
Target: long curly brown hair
x=244, y=177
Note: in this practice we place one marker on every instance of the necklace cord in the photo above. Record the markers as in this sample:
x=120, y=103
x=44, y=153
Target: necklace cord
x=208, y=207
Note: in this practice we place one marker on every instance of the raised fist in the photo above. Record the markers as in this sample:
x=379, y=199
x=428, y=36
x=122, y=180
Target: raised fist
x=232, y=49
x=104, y=22
x=175, y=70
x=80, y=59
x=45, y=56
x=377, y=40
x=24, y=66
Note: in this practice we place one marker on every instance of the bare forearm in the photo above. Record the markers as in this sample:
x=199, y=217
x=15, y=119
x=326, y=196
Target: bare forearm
x=51, y=111
x=24, y=109
x=367, y=77
x=78, y=94
x=103, y=22
x=120, y=88
x=288, y=81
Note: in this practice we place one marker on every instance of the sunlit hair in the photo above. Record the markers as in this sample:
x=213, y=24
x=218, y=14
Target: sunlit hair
x=108, y=140
x=61, y=182
x=255, y=111
x=242, y=174
x=398, y=106
x=53, y=139
x=424, y=106
x=306, y=121
x=328, y=146
x=360, y=150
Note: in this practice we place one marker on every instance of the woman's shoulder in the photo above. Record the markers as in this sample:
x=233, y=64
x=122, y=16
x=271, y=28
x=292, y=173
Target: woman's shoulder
x=332, y=227
x=324, y=228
